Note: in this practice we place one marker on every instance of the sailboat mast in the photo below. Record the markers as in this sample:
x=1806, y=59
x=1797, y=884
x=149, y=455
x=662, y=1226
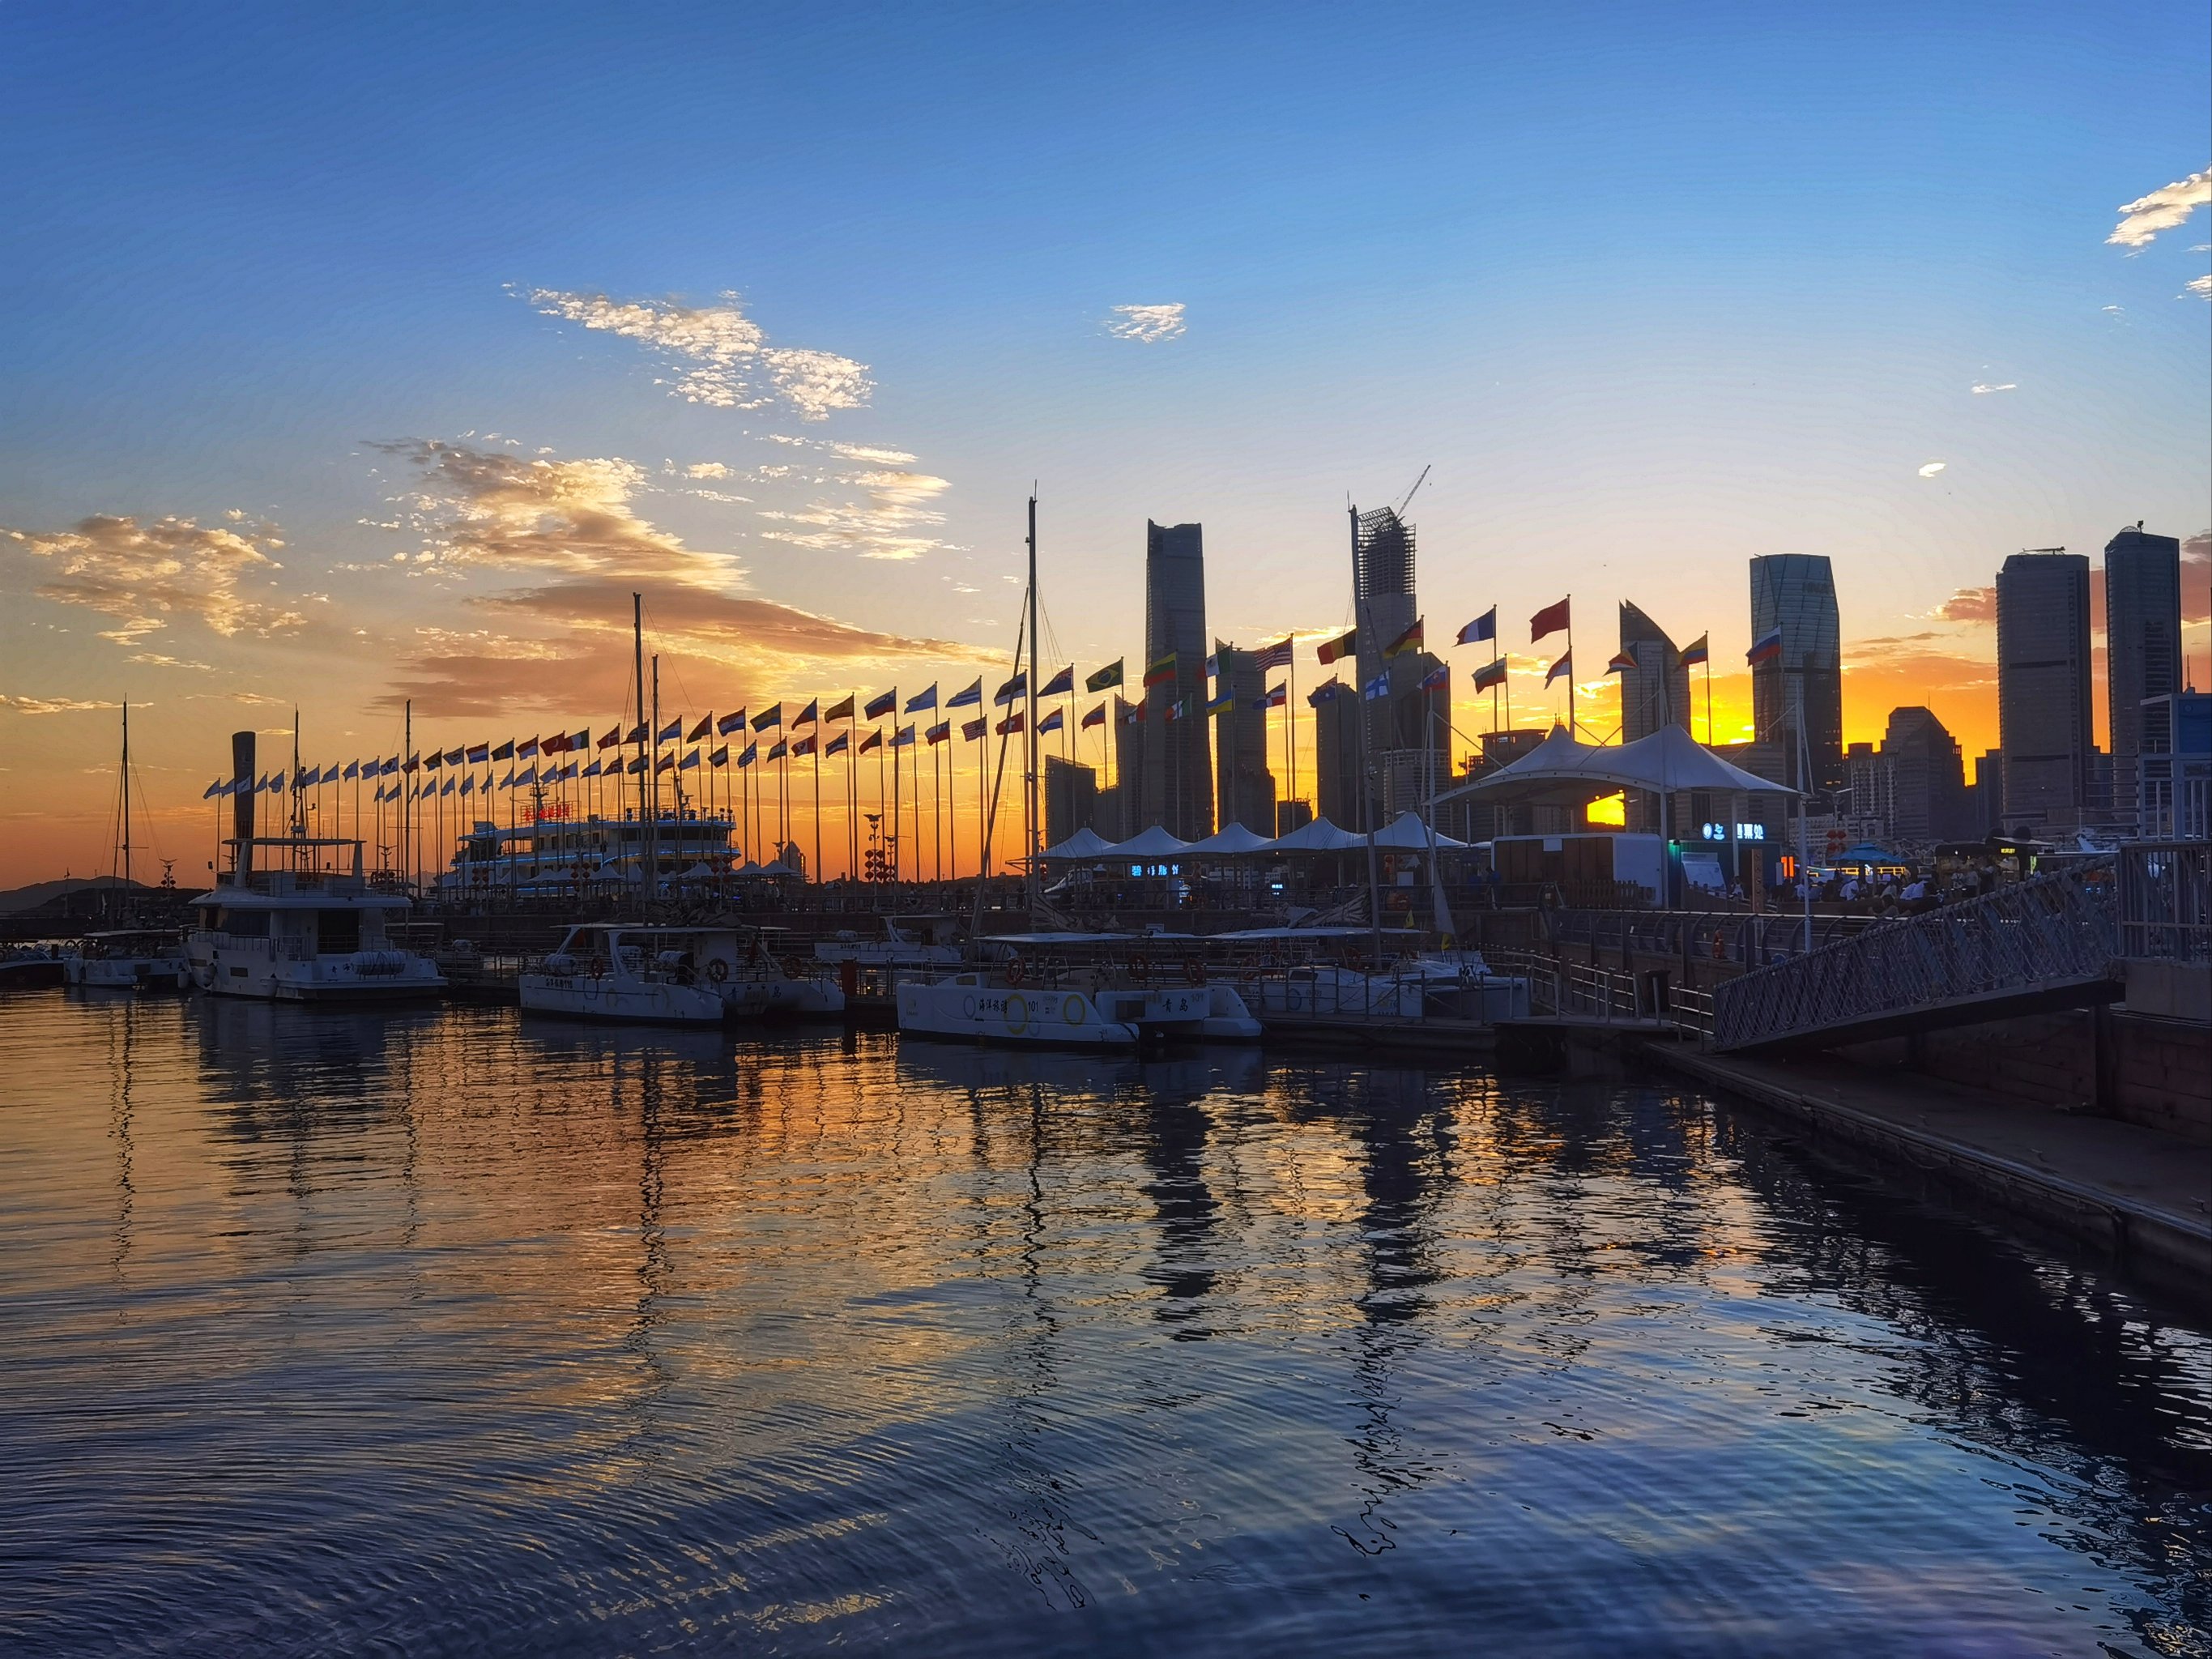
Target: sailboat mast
x=1365, y=623
x=1030, y=721
x=638, y=669
x=126, y=792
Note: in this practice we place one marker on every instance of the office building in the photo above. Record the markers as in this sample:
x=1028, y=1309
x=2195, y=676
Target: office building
x=1178, y=760
x=2043, y=688
x=1407, y=730
x=1243, y=788
x=2142, y=641
x=1803, y=687
x=1911, y=792
x=1071, y=798
x=1654, y=693
x=2173, y=770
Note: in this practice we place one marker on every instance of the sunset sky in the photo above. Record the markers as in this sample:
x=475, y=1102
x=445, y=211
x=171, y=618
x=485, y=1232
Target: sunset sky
x=368, y=356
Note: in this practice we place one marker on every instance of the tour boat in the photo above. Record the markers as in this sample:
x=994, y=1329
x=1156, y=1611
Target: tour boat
x=280, y=928
x=634, y=974
x=128, y=960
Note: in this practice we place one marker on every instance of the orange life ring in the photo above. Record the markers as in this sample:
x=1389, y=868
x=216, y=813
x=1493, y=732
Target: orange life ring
x=718, y=970
x=1014, y=972
x=1193, y=970
x=598, y=967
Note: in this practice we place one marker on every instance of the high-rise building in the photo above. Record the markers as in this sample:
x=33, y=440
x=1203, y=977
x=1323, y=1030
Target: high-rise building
x=1244, y=789
x=1071, y=798
x=1407, y=729
x=1795, y=593
x=2142, y=640
x=2043, y=688
x=2174, y=770
x=1178, y=760
x=1924, y=781
x=1656, y=691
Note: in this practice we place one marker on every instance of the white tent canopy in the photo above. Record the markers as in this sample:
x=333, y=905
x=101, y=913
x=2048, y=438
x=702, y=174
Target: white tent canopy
x=1085, y=843
x=1153, y=843
x=1407, y=833
x=1230, y=839
x=1669, y=760
x=1319, y=836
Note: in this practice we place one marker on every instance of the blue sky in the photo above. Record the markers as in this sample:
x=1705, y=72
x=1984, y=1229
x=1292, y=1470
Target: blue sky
x=1652, y=290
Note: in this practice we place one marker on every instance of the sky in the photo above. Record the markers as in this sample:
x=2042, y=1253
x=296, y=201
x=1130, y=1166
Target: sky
x=376, y=357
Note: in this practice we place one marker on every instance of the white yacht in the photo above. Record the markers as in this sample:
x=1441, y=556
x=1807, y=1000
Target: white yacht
x=284, y=925
x=634, y=974
x=135, y=959
x=1030, y=998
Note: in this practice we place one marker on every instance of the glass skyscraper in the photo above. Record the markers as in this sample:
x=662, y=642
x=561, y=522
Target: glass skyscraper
x=2043, y=687
x=1796, y=593
x=2143, y=636
x=1178, y=760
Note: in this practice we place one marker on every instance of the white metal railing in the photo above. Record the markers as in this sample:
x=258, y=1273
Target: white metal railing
x=2165, y=902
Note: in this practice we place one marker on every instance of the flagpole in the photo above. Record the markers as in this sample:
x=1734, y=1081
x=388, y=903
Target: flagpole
x=1709, y=695
x=1290, y=748
x=1573, y=731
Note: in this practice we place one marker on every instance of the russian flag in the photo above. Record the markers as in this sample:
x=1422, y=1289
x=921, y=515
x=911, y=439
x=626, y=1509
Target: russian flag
x=1767, y=649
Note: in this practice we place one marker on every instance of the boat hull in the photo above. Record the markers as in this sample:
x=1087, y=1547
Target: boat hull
x=586, y=996
x=1030, y=1017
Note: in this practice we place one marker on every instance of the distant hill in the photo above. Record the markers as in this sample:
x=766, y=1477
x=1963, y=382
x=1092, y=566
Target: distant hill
x=17, y=900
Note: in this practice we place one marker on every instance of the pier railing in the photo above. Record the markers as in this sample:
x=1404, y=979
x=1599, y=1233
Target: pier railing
x=2165, y=902
x=2032, y=938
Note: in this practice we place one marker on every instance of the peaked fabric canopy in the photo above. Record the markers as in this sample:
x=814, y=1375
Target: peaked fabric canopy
x=1230, y=839
x=1153, y=843
x=1669, y=760
x=1406, y=834
x=1085, y=843
x=1319, y=836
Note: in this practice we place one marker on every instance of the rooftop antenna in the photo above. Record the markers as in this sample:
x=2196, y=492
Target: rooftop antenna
x=1400, y=510
x=2043, y=550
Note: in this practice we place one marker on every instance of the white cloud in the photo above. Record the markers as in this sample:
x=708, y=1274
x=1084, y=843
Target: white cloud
x=1984, y=387
x=15, y=705
x=2162, y=209
x=722, y=354
x=147, y=575
x=1932, y=469
x=706, y=469
x=2201, y=285
x=1147, y=325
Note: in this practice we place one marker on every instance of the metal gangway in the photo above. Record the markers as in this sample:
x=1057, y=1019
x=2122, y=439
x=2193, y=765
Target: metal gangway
x=2046, y=942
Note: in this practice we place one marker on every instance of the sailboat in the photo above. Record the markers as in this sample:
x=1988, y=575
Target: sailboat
x=127, y=959
x=1012, y=1001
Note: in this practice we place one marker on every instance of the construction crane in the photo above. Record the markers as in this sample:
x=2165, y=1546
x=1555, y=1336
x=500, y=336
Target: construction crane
x=1400, y=510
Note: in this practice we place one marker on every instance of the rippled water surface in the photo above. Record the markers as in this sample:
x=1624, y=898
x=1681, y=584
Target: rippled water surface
x=439, y=1331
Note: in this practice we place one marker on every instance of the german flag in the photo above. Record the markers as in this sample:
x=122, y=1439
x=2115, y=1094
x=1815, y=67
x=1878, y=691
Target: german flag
x=1410, y=639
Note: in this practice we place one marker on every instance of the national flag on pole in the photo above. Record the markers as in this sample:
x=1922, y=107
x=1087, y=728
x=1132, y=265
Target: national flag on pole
x=879, y=707
x=636, y=766
x=635, y=734
x=1061, y=684
x=1624, y=660
x=904, y=737
x=971, y=698
x=352, y=771
x=921, y=700
x=811, y=714
x=1106, y=678
x=1160, y=670
x=1436, y=677
x=838, y=745
x=873, y=740
x=1484, y=627
x=1410, y=639
x=718, y=760
x=555, y=744
x=612, y=737
x=771, y=715
x=939, y=732
x=668, y=733
x=1378, y=687
x=1095, y=717
x=1321, y=694
x=479, y=753
x=805, y=745
x=1550, y=620
x=527, y=750
x=1490, y=674
x=1011, y=723
x=1342, y=646
x=469, y=784
x=1564, y=665
x=1768, y=648
x=580, y=739
x=706, y=725
x=1277, y=655
x=1051, y=722
x=528, y=779
x=751, y=754
x=447, y=787
x=414, y=760
x=453, y=757
x=507, y=782
x=1132, y=714
x=728, y=726
x=1016, y=687
x=597, y=769
x=1177, y=709
x=505, y=752
x=213, y=790
x=779, y=750
x=689, y=763
x=975, y=729
x=1221, y=703
x=1212, y=664
x=1697, y=650
x=1277, y=698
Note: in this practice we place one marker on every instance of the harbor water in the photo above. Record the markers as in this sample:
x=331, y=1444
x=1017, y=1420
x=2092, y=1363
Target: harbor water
x=442, y=1331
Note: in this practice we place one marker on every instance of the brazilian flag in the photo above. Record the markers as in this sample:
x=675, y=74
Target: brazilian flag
x=1106, y=678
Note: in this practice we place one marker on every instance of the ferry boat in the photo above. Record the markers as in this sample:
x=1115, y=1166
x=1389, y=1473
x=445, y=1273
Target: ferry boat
x=555, y=855
x=633, y=974
x=280, y=926
x=139, y=959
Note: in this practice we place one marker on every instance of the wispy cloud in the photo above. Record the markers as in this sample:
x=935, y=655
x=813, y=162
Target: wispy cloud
x=2142, y=219
x=706, y=469
x=1968, y=605
x=146, y=576
x=722, y=356
x=892, y=523
x=15, y=705
x=1933, y=468
x=1983, y=388
x=1147, y=325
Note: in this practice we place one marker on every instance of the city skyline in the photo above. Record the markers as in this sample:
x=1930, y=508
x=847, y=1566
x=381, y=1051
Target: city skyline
x=290, y=426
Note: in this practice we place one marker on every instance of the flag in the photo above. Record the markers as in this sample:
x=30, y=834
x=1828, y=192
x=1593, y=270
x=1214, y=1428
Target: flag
x=730, y=724
x=528, y=747
x=411, y=763
x=1768, y=649
x=838, y=745
x=1061, y=684
x=879, y=707
x=1484, y=627
x=1623, y=659
x=1177, y=709
x=555, y=744
x=811, y=714
x=779, y=750
x=213, y=790
x=771, y=715
x=873, y=740
x=478, y=754
x=1342, y=646
x=1212, y=664
x=665, y=763
x=843, y=711
x=1011, y=723
x=668, y=733
x=612, y=737
x=1436, y=677
x=1132, y=714
x=635, y=734
x=528, y=779
x=1377, y=688
x=1277, y=698
x=597, y=769
x=969, y=698
x=1564, y=665
x=1160, y=671
x=751, y=754
x=1277, y=655
x=432, y=761
x=505, y=752
x=1550, y=620
x=1221, y=704
x=1095, y=717
x=719, y=758
x=972, y=730
x=636, y=765
x=1106, y=678
x=352, y=771
x=469, y=784
x=454, y=758
x=921, y=700
x=939, y=732
x=1321, y=694
x=689, y=763
x=1051, y=722
x=1490, y=674
x=1410, y=639
x=507, y=782
x=706, y=725
x=447, y=787
x=1016, y=687
x=805, y=745
x=1696, y=651
x=580, y=739
x=904, y=738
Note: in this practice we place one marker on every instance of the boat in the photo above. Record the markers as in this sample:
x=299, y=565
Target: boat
x=282, y=926
x=636, y=975
x=29, y=966
x=910, y=943
x=128, y=959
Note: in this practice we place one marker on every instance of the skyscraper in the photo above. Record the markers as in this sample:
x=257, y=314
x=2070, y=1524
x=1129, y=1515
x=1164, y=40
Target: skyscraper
x=2142, y=638
x=1244, y=789
x=2043, y=687
x=1407, y=729
x=1656, y=691
x=1795, y=593
x=1177, y=757
x=1926, y=778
